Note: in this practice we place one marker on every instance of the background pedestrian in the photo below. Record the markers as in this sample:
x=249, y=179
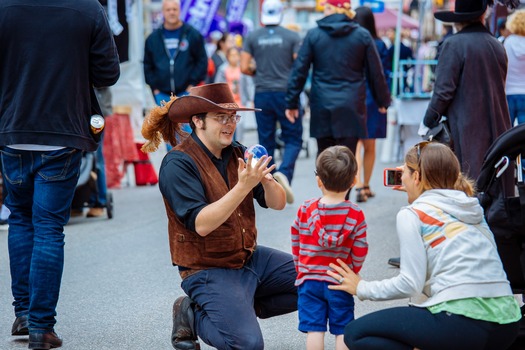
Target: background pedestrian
x=53, y=54
x=274, y=48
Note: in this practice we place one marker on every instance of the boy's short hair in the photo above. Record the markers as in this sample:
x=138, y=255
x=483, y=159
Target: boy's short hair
x=336, y=167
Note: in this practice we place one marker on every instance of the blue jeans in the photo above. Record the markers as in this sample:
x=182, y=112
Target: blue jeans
x=516, y=108
x=273, y=105
x=230, y=300
x=100, y=200
x=40, y=188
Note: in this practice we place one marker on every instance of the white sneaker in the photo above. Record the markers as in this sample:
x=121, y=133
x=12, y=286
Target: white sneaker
x=283, y=181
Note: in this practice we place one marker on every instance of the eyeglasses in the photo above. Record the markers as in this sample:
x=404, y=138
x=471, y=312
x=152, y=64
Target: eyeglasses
x=419, y=147
x=226, y=118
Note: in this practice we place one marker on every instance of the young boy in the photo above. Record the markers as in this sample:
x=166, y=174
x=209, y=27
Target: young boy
x=326, y=229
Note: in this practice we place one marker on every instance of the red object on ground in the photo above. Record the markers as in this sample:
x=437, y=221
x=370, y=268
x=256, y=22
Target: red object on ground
x=145, y=173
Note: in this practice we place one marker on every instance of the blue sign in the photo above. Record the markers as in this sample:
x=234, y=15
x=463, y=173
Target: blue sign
x=199, y=13
x=375, y=6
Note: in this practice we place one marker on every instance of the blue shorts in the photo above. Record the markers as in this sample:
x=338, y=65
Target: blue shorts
x=317, y=304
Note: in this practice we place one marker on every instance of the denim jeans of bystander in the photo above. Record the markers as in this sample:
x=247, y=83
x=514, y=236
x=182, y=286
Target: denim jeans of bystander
x=273, y=106
x=40, y=186
x=516, y=108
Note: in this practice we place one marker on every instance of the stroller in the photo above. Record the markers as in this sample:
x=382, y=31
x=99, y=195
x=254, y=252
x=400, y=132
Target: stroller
x=87, y=185
x=501, y=192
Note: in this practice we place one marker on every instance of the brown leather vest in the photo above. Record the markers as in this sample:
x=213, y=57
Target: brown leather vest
x=232, y=243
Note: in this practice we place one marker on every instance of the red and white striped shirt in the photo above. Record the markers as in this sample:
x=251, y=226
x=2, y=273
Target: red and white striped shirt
x=322, y=233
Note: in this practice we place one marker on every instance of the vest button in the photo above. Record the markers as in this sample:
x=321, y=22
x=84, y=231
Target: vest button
x=243, y=230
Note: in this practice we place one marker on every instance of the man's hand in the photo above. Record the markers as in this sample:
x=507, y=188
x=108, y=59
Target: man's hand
x=292, y=115
x=216, y=213
x=250, y=174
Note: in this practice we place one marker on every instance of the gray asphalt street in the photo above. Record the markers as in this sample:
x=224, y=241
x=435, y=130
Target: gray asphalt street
x=119, y=286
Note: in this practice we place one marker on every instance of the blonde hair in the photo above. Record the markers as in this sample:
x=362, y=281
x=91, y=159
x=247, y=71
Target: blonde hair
x=438, y=167
x=158, y=127
x=516, y=23
x=345, y=10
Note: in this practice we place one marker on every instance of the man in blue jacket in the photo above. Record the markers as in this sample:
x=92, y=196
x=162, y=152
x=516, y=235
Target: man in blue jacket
x=175, y=58
x=53, y=53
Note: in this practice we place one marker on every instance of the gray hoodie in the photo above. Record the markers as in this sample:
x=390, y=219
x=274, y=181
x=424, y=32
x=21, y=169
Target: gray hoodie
x=447, y=253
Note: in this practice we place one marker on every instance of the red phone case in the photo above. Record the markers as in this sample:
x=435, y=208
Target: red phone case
x=392, y=177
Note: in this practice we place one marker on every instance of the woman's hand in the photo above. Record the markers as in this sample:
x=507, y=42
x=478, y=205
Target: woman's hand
x=402, y=187
x=347, y=279
x=399, y=188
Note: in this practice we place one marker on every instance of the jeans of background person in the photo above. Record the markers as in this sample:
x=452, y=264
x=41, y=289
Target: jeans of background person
x=403, y=328
x=273, y=105
x=105, y=100
x=40, y=186
x=317, y=303
x=159, y=97
x=99, y=199
x=516, y=108
x=225, y=317
x=325, y=142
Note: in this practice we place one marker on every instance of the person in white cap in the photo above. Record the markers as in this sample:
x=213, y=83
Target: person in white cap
x=274, y=48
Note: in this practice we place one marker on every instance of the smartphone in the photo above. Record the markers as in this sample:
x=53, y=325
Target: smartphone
x=392, y=177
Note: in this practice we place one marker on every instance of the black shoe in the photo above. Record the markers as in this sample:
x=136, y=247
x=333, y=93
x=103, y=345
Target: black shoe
x=396, y=262
x=20, y=326
x=360, y=195
x=183, y=336
x=44, y=341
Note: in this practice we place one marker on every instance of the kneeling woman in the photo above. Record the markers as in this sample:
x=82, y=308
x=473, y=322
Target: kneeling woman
x=448, y=253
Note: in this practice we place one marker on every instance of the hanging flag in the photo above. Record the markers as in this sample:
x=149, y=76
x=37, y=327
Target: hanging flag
x=199, y=13
x=235, y=10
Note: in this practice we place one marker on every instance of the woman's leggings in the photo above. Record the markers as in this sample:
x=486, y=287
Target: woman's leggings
x=406, y=328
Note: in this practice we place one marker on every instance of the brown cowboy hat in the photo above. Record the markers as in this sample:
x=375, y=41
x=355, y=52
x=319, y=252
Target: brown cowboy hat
x=204, y=99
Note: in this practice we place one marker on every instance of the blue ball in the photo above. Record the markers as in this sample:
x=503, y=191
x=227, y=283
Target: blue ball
x=257, y=150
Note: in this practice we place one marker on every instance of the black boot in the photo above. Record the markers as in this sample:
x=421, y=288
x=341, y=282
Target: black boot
x=20, y=326
x=183, y=336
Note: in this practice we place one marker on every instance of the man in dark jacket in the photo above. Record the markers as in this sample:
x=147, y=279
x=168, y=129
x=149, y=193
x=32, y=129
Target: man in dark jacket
x=175, y=58
x=344, y=57
x=470, y=85
x=53, y=53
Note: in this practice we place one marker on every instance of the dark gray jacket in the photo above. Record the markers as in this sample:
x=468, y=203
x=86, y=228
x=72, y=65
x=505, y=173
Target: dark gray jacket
x=470, y=91
x=343, y=55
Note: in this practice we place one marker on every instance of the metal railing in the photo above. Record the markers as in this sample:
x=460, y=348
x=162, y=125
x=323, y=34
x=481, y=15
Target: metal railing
x=415, y=78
